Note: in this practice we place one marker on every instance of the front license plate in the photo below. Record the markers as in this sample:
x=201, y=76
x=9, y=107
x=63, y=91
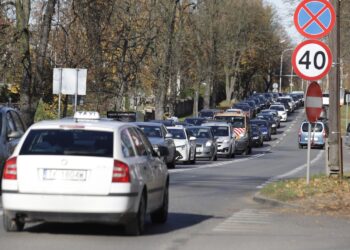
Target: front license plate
x=64, y=174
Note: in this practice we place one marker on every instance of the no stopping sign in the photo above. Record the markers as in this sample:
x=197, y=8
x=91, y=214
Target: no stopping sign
x=312, y=60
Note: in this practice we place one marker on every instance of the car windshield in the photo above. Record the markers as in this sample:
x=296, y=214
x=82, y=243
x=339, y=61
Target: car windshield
x=200, y=132
x=278, y=108
x=236, y=121
x=220, y=130
x=151, y=131
x=177, y=133
x=68, y=142
x=194, y=121
x=315, y=127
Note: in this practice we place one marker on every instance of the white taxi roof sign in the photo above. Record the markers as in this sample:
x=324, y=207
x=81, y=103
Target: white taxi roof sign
x=87, y=115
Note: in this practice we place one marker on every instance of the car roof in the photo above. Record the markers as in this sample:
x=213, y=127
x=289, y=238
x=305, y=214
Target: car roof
x=229, y=114
x=76, y=123
x=217, y=124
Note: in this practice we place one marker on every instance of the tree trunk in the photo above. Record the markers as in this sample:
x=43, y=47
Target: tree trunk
x=22, y=25
x=161, y=92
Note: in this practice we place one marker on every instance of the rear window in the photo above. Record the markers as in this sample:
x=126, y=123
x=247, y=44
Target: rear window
x=277, y=108
x=68, y=142
x=319, y=127
x=220, y=130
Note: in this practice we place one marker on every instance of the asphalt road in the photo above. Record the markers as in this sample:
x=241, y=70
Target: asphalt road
x=211, y=207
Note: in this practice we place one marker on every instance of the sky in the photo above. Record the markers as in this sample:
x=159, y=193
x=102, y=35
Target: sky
x=285, y=12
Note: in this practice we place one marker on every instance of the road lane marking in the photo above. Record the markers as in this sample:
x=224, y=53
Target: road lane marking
x=246, y=220
x=292, y=172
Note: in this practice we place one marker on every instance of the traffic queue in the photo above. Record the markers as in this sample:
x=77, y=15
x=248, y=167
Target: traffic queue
x=93, y=169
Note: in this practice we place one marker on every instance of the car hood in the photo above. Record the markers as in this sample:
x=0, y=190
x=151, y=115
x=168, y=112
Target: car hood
x=202, y=140
x=180, y=142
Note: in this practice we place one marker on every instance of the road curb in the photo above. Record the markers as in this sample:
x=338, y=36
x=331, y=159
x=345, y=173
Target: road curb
x=259, y=198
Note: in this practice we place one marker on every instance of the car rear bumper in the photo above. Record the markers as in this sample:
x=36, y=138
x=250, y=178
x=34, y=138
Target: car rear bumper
x=50, y=204
x=204, y=152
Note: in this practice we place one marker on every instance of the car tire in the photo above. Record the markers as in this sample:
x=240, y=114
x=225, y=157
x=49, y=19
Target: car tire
x=136, y=225
x=171, y=165
x=194, y=159
x=160, y=216
x=249, y=150
x=12, y=224
x=301, y=146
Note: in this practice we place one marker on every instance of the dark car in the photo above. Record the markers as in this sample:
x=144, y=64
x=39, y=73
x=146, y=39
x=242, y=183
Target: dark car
x=269, y=118
x=12, y=129
x=264, y=127
x=158, y=134
x=195, y=121
x=209, y=113
x=257, y=138
x=245, y=107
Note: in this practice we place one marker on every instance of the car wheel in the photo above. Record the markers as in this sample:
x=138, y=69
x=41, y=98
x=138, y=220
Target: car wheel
x=160, y=216
x=249, y=149
x=12, y=224
x=136, y=225
x=194, y=158
x=301, y=146
x=171, y=165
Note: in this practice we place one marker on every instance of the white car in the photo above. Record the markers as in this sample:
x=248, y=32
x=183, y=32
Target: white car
x=185, y=145
x=225, y=138
x=281, y=110
x=85, y=169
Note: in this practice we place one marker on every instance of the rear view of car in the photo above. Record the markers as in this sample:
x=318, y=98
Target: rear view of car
x=319, y=132
x=70, y=171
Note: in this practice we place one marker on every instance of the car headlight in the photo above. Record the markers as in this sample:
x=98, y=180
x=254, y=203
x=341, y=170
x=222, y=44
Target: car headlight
x=182, y=146
x=208, y=144
x=255, y=137
x=226, y=141
x=273, y=125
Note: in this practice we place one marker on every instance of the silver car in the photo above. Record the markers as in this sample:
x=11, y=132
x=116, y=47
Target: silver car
x=158, y=134
x=225, y=139
x=206, y=143
x=12, y=128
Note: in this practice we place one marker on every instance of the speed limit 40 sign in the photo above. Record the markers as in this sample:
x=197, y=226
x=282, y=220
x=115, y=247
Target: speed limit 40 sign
x=312, y=60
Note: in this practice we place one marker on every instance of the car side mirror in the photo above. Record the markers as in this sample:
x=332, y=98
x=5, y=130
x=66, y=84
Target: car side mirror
x=14, y=135
x=192, y=138
x=168, y=136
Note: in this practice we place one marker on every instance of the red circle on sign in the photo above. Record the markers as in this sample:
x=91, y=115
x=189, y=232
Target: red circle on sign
x=326, y=31
x=326, y=69
x=313, y=102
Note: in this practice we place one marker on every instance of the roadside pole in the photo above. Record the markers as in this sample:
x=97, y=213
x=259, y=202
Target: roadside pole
x=335, y=161
x=308, y=155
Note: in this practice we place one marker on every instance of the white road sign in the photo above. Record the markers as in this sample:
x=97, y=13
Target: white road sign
x=312, y=60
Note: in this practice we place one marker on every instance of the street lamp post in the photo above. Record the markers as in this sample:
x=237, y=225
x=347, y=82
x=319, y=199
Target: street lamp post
x=281, y=68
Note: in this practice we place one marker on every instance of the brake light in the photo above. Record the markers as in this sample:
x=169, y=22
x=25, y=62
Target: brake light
x=120, y=172
x=10, y=169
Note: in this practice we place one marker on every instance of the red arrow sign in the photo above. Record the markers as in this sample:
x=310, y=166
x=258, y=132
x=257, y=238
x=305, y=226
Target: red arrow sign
x=313, y=102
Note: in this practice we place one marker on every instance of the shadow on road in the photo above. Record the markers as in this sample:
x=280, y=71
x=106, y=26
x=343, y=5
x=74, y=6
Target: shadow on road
x=176, y=221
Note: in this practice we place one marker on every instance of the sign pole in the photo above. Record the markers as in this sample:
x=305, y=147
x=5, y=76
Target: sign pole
x=308, y=155
x=76, y=92
x=347, y=98
x=60, y=95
